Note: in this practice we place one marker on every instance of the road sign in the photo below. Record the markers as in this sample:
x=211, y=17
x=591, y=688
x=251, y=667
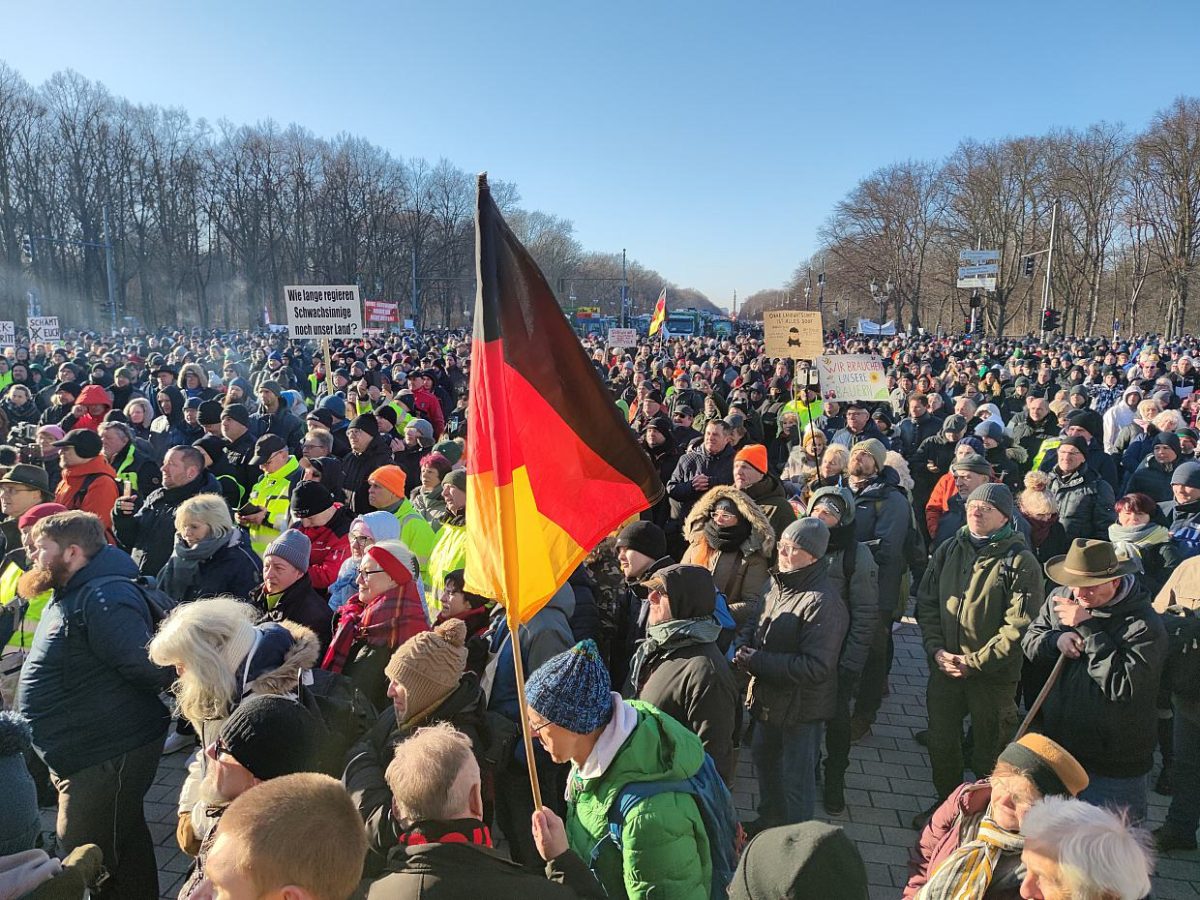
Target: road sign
x=975, y=257
x=793, y=334
x=323, y=311
x=982, y=269
x=43, y=329
x=978, y=282
x=8, y=334
x=622, y=337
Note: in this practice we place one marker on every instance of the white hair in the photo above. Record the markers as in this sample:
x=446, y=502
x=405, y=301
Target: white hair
x=1099, y=856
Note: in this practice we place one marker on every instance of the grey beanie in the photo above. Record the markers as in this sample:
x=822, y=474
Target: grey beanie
x=809, y=534
x=996, y=494
x=293, y=547
x=1187, y=474
x=424, y=429
x=989, y=429
x=972, y=463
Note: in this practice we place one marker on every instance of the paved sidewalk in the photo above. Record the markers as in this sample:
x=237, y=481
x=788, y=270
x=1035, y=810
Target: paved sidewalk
x=888, y=782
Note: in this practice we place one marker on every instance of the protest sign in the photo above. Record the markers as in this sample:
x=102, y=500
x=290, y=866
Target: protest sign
x=8, y=334
x=323, y=311
x=793, y=334
x=622, y=337
x=379, y=311
x=43, y=329
x=852, y=376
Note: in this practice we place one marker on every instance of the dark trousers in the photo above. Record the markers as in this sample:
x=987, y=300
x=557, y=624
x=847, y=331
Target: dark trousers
x=837, y=729
x=1183, y=817
x=102, y=805
x=785, y=761
x=514, y=807
x=875, y=673
x=994, y=721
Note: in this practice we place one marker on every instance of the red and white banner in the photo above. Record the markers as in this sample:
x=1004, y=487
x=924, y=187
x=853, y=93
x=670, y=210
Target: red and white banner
x=379, y=311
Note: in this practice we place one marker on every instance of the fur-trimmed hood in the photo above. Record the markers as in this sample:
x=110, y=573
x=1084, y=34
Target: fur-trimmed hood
x=283, y=652
x=762, y=536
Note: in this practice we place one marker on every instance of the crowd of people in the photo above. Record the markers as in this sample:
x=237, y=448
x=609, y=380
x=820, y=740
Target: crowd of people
x=213, y=545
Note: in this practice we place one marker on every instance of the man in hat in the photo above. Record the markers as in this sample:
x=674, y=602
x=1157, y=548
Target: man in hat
x=275, y=418
x=752, y=478
x=266, y=512
x=1102, y=706
x=1086, y=425
x=1033, y=427
x=1086, y=503
x=931, y=461
x=287, y=593
x=980, y=591
x=135, y=465
x=859, y=427
x=969, y=472
x=573, y=712
x=793, y=661
x=1184, y=512
x=236, y=429
x=326, y=524
x=266, y=737
x=882, y=519
x=21, y=488
x=679, y=669
x=368, y=451
x=88, y=481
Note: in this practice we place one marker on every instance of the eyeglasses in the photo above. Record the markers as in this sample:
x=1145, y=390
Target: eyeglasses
x=367, y=573
x=534, y=729
x=220, y=748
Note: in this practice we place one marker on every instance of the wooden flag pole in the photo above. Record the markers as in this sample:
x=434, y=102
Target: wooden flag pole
x=1041, y=697
x=329, y=366
x=519, y=664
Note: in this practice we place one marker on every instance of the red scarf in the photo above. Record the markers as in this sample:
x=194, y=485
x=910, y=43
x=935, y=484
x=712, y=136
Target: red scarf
x=387, y=621
x=455, y=831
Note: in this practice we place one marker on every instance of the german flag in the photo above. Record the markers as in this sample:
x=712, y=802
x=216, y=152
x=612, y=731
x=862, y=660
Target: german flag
x=660, y=313
x=551, y=468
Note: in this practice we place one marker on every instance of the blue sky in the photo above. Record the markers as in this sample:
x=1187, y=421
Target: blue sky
x=709, y=139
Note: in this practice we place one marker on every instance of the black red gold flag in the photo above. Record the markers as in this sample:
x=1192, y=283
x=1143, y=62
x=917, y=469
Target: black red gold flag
x=551, y=466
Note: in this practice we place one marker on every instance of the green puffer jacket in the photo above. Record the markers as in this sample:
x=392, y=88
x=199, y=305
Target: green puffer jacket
x=664, y=838
x=975, y=603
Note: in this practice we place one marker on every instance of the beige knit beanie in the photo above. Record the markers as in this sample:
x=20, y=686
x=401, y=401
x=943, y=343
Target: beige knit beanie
x=430, y=664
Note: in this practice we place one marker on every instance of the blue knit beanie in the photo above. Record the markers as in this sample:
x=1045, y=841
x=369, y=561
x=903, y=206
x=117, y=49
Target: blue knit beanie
x=573, y=689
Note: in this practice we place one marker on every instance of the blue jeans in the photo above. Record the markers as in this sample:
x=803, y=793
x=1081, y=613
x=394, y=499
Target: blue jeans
x=1183, y=817
x=1128, y=794
x=785, y=759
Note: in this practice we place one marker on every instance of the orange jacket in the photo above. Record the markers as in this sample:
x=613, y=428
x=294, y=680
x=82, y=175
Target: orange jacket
x=101, y=493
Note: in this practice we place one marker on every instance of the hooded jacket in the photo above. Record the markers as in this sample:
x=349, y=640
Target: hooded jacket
x=92, y=395
x=977, y=602
x=169, y=430
x=357, y=468
x=1102, y=708
x=664, y=841
x=861, y=594
x=88, y=687
x=798, y=643
x=149, y=534
x=136, y=467
x=741, y=576
x=687, y=676
x=1153, y=478
x=281, y=423
x=882, y=519
x=91, y=486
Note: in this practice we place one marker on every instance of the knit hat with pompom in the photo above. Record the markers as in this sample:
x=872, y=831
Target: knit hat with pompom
x=430, y=664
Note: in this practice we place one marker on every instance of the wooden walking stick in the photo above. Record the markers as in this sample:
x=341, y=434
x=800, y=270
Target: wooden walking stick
x=1036, y=706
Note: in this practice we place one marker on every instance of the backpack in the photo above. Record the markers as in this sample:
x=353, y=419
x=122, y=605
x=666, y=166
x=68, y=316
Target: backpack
x=159, y=602
x=344, y=710
x=715, y=804
x=1182, y=671
x=78, y=497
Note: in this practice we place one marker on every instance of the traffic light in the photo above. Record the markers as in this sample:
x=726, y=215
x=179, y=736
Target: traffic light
x=1050, y=320
x=1029, y=264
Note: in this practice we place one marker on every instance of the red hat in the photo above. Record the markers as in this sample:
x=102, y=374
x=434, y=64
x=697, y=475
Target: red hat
x=35, y=514
x=755, y=455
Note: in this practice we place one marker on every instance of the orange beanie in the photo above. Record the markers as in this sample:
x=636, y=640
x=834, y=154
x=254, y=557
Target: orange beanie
x=755, y=454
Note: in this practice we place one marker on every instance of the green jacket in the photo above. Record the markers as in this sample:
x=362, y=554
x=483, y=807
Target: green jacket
x=978, y=603
x=665, y=852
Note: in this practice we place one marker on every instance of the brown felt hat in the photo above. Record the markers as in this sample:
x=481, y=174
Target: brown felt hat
x=1088, y=563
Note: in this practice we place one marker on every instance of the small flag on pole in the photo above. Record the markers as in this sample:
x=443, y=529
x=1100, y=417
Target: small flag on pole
x=660, y=313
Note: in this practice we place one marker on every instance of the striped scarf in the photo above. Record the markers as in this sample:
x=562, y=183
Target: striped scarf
x=967, y=872
x=387, y=621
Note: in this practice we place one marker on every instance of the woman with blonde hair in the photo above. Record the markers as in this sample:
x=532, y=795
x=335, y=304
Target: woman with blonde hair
x=222, y=657
x=1039, y=506
x=138, y=415
x=211, y=555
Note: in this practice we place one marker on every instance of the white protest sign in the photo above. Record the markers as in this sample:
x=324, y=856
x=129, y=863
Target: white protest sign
x=793, y=334
x=43, y=329
x=323, y=311
x=852, y=376
x=8, y=334
x=622, y=337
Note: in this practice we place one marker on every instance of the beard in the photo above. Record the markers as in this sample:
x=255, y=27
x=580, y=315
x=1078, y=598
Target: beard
x=37, y=581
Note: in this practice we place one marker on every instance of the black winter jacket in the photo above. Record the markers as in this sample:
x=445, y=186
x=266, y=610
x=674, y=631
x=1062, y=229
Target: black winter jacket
x=88, y=687
x=301, y=604
x=718, y=468
x=1102, y=709
x=149, y=534
x=1085, y=503
x=356, y=468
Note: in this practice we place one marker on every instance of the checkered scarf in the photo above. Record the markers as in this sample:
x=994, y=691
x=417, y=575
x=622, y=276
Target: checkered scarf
x=387, y=621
